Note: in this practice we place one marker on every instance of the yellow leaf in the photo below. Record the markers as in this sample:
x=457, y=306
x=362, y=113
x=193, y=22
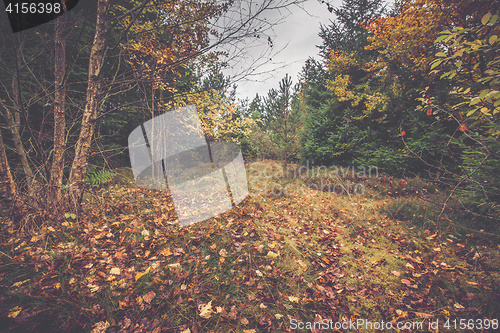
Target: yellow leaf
x=141, y=274
x=166, y=252
x=222, y=259
x=17, y=284
x=14, y=312
x=271, y=254
x=139, y=300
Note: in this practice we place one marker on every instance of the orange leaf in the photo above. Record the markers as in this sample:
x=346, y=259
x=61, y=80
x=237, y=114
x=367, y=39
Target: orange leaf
x=462, y=128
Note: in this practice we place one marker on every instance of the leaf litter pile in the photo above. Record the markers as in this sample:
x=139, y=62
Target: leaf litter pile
x=302, y=256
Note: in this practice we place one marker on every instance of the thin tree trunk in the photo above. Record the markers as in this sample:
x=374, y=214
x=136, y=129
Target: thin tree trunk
x=7, y=186
x=56, y=171
x=14, y=120
x=75, y=186
x=8, y=193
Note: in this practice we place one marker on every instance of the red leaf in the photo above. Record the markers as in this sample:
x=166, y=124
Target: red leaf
x=462, y=128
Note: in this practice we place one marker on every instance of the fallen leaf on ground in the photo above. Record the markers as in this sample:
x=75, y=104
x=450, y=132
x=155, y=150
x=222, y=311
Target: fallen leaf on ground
x=149, y=297
x=14, y=312
x=115, y=271
x=141, y=274
x=271, y=254
x=100, y=327
x=206, y=310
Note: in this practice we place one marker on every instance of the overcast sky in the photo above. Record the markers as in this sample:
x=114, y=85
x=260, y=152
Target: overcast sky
x=298, y=35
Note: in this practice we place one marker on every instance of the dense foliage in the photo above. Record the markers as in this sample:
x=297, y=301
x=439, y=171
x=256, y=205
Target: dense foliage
x=398, y=90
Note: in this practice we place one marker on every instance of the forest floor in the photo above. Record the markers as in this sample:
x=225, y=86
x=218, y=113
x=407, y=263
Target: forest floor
x=281, y=261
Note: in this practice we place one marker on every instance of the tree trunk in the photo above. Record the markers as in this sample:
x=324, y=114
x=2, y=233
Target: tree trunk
x=7, y=186
x=56, y=171
x=75, y=186
x=8, y=193
x=14, y=120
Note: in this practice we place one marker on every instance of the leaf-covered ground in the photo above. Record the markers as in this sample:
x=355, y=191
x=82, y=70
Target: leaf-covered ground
x=279, y=260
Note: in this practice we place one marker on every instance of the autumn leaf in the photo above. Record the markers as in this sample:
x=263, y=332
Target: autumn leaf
x=423, y=315
x=271, y=254
x=115, y=271
x=166, y=252
x=20, y=283
x=14, y=312
x=396, y=273
x=100, y=327
x=244, y=321
x=462, y=128
x=141, y=274
x=406, y=282
x=93, y=288
x=206, y=310
x=149, y=297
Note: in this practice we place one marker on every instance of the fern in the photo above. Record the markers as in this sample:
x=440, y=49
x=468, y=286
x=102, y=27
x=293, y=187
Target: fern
x=98, y=177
